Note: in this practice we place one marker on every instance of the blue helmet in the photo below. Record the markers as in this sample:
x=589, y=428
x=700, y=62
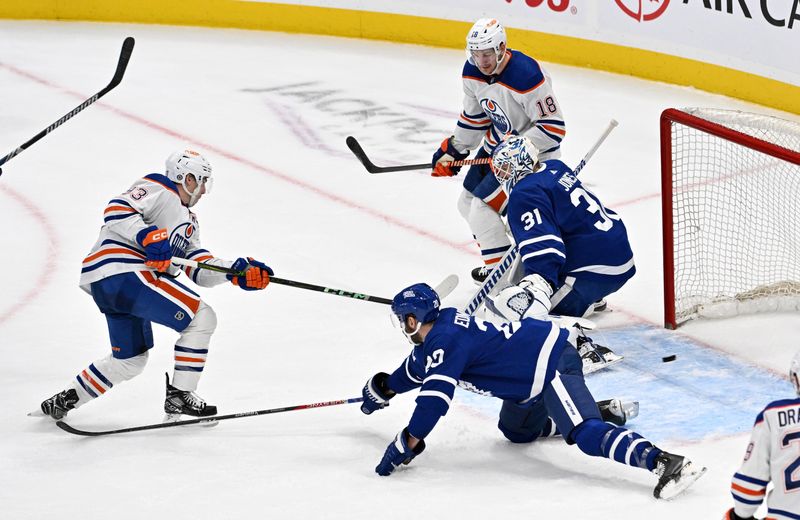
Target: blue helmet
x=420, y=300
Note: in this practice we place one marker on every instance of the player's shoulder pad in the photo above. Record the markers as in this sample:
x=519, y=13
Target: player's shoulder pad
x=522, y=74
x=163, y=181
x=470, y=71
x=774, y=405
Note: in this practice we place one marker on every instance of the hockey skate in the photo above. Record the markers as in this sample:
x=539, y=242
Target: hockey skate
x=675, y=474
x=185, y=402
x=617, y=411
x=479, y=274
x=599, y=306
x=60, y=404
x=594, y=356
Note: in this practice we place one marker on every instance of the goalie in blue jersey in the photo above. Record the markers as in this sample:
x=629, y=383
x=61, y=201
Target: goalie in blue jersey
x=573, y=250
x=531, y=365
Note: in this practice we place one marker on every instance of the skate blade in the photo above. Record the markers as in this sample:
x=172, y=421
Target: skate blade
x=597, y=366
x=175, y=417
x=687, y=476
x=37, y=413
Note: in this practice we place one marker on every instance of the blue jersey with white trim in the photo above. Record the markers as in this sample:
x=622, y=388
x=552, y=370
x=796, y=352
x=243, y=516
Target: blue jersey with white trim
x=514, y=361
x=562, y=229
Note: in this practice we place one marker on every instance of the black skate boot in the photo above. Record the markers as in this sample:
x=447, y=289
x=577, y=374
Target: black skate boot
x=186, y=402
x=61, y=403
x=617, y=411
x=595, y=356
x=675, y=474
x=479, y=274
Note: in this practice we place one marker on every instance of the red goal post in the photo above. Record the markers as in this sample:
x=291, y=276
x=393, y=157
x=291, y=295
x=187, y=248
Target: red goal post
x=730, y=213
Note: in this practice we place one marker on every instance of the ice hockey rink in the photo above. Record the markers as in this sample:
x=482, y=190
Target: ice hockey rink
x=271, y=112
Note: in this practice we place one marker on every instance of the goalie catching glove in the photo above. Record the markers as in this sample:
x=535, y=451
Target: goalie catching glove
x=447, y=153
x=530, y=298
x=255, y=274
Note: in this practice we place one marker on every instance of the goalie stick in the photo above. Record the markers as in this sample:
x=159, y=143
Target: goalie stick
x=204, y=420
x=122, y=64
x=444, y=288
x=508, y=259
x=361, y=155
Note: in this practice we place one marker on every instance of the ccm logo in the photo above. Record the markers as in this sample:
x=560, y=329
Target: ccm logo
x=157, y=237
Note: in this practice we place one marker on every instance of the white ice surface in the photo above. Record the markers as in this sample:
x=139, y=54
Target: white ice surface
x=288, y=192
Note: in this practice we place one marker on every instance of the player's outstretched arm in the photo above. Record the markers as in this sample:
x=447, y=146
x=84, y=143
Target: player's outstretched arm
x=401, y=450
x=376, y=393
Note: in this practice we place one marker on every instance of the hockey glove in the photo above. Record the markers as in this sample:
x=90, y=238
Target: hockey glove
x=445, y=154
x=398, y=453
x=530, y=298
x=376, y=393
x=256, y=274
x=157, y=252
x=731, y=515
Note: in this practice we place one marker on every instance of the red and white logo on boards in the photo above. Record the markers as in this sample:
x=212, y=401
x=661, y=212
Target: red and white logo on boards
x=643, y=10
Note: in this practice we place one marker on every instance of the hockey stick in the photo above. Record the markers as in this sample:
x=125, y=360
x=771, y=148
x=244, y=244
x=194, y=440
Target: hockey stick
x=444, y=288
x=203, y=420
x=511, y=255
x=122, y=64
x=359, y=152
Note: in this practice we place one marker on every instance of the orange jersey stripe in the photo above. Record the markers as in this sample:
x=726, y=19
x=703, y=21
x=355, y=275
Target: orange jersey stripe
x=555, y=129
x=746, y=491
x=192, y=303
x=497, y=202
x=109, y=209
x=112, y=251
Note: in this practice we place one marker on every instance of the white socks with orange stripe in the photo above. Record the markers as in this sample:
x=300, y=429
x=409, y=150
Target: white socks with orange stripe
x=103, y=374
x=191, y=349
x=487, y=227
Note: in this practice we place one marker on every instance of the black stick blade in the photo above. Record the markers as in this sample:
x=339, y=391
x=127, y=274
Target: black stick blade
x=122, y=64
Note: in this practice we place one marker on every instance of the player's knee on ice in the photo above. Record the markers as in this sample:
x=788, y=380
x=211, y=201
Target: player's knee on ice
x=522, y=423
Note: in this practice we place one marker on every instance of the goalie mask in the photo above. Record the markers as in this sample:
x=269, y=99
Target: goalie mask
x=794, y=372
x=513, y=159
x=183, y=163
x=419, y=300
x=485, y=34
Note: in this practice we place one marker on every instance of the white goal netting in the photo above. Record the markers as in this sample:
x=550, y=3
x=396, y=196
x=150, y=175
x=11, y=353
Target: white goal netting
x=736, y=215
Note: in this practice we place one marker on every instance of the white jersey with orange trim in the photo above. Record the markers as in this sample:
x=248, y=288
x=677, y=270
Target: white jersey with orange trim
x=520, y=100
x=773, y=455
x=150, y=201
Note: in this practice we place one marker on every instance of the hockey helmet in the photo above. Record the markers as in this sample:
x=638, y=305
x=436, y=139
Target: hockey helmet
x=184, y=162
x=419, y=300
x=513, y=159
x=794, y=372
x=486, y=33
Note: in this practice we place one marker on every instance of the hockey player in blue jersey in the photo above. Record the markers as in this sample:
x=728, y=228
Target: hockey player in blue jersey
x=133, y=282
x=531, y=365
x=505, y=91
x=573, y=250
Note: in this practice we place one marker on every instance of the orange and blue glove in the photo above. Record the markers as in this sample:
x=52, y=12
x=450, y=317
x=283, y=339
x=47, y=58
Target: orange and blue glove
x=446, y=153
x=256, y=274
x=156, y=246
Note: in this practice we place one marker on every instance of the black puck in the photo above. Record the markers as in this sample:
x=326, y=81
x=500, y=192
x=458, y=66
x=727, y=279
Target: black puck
x=667, y=359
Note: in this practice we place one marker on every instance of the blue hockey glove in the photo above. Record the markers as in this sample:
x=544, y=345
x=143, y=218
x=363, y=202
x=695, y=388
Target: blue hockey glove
x=376, y=393
x=446, y=154
x=256, y=274
x=157, y=251
x=398, y=453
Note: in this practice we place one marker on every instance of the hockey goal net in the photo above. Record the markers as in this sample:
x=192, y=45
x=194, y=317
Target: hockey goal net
x=730, y=213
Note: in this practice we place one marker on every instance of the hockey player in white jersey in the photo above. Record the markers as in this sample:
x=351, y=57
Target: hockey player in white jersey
x=573, y=250
x=505, y=92
x=130, y=276
x=773, y=455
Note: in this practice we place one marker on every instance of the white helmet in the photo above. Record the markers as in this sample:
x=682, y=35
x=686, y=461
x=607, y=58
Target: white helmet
x=513, y=159
x=184, y=162
x=794, y=372
x=486, y=33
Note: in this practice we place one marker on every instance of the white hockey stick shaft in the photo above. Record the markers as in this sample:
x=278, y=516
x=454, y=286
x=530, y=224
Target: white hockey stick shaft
x=511, y=255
